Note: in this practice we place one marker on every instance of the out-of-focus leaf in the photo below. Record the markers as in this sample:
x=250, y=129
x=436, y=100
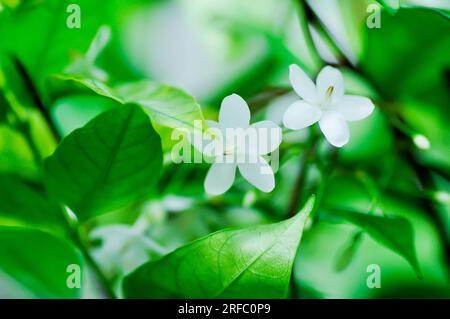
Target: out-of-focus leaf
x=391, y=5
x=15, y=154
x=167, y=106
x=113, y=160
x=122, y=249
x=414, y=41
x=254, y=262
x=55, y=44
x=396, y=233
x=431, y=122
x=22, y=205
x=38, y=261
x=371, y=139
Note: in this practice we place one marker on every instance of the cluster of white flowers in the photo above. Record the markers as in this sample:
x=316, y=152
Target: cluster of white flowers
x=323, y=102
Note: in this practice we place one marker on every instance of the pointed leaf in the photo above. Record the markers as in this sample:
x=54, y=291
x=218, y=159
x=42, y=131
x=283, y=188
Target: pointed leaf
x=254, y=262
x=111, y=161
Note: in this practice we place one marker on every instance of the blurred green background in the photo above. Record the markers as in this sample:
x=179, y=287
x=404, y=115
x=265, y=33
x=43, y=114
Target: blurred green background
x=397, y=161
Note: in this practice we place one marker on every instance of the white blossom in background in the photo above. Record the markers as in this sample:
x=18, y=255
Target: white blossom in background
x=239, y=145
x=85, y=65
x=325, y=102
x=123, y=248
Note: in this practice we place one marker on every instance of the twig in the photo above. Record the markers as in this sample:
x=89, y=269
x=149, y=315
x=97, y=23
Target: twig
x=296, y=193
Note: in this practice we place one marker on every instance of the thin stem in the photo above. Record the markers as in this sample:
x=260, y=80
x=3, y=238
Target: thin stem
x=300, y=180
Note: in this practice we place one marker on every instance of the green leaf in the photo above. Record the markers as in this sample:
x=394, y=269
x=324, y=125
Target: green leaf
x=396, y=233
x=15, y=154
x=167, y=106
x=254, y=262
x=20, y=204
x=38, y=261
x=113, y=160
x=74, y=111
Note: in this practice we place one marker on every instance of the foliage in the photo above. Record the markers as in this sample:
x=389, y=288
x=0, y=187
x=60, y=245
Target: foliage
x=88, y=177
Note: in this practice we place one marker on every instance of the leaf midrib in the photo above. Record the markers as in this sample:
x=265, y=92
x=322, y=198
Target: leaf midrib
x=86, y=205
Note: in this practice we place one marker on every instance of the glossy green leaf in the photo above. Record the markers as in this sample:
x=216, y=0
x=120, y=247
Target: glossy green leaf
x=396, y=233
x=21, y=204
x=167, y=106
x=254, y=262
x=15, y=154
x=113, y=160
x=38, y=261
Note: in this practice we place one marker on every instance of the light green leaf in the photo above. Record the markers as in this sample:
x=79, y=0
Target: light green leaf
x=22, y=205
x=113, y=160
x=254, y=262
x=396, y=233
x=167, y=106
x=38, y=261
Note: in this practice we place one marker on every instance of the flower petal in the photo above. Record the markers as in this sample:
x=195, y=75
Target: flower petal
x=330, y=77
x=302, y=84
x=334, y=128
x=268, y=135
x=300, y=115
x=220, y=177
x=354, y=108
x=259, y=174
x=212, y=123
x=234, y=112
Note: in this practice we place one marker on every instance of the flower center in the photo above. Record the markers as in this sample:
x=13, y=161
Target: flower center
x=328, y=95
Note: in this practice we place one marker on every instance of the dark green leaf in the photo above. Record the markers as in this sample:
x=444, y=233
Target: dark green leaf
x=254, y=262
x=113, y=160
x=38, y=261
x=20, y=204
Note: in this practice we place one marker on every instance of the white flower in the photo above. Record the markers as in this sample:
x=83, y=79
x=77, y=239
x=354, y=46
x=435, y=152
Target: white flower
x=122, y=248
x=326, y=103
x=240, y=145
